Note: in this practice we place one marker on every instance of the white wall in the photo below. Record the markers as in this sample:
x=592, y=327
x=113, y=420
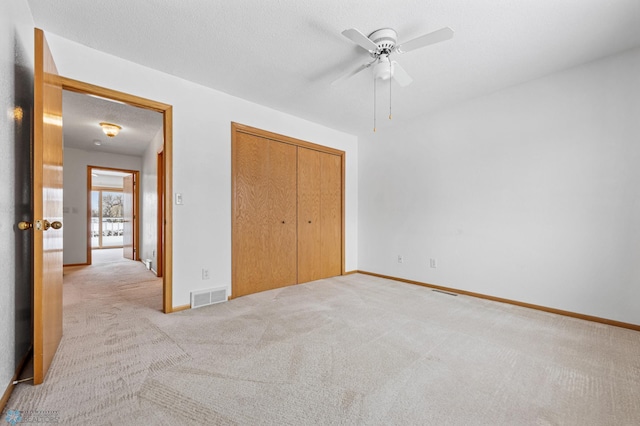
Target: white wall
x=202, y=157
x=149, y=200
x=75, y=196
x=530, y=194
x=16, y=90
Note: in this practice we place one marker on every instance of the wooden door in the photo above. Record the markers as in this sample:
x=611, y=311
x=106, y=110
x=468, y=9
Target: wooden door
x=282, y=214
x=309, y=226
x=281, y=233
x=250, y=262
x=330, y=215
x=47, y=208
x=319, y=215
x=128, y=240
x=264, y=232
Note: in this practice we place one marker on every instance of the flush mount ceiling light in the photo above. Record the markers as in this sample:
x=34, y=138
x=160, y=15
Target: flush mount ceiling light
x=110, y=129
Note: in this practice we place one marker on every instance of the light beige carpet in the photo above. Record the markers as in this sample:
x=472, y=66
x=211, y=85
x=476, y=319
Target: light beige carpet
x=341, y=351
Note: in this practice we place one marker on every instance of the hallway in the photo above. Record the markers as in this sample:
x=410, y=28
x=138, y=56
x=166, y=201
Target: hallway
x=110, y=279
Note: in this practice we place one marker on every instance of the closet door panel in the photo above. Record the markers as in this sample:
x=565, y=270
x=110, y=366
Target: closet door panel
x=309, y=230
x=282, y=214
x=287, y=211
x=331, y=215
x=251, y=270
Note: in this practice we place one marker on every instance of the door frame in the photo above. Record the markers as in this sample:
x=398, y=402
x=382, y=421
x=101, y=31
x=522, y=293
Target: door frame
x=242, y=128
x=161, y=216
x=167, y=125
x=136, y=208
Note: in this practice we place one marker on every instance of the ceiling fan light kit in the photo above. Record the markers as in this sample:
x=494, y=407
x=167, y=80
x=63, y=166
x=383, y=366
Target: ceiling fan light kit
x=381, y=44
x=383, y=69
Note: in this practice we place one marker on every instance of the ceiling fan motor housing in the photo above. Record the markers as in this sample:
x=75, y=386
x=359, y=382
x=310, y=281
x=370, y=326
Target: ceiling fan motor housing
x=385, y=39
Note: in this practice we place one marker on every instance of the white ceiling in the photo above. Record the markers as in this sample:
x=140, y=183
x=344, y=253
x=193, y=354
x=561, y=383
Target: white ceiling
x=284, y=54
x=82, y=113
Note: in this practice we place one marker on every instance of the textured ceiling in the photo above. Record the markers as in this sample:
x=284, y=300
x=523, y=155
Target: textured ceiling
x=82, y=113
x=284, y=54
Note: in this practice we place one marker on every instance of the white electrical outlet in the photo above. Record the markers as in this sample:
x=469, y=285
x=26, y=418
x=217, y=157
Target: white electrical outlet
x=178, y=198
x=433, y=263
x=205, y=274
x=400, y=259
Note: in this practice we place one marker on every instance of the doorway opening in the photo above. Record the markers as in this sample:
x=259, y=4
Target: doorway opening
x=113, y=211
x=107, y=223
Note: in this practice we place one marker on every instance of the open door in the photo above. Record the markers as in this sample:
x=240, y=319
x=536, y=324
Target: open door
x=47, y=209
x=128, y=212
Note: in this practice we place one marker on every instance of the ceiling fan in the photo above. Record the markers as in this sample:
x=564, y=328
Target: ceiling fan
x=381, y=44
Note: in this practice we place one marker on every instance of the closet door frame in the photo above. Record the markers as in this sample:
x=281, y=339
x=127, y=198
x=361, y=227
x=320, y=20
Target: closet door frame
x=237, y=128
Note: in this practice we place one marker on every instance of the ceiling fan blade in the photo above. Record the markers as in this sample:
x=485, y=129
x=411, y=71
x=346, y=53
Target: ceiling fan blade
x=400, y=75
x=352, y=73
x=442, y=34
x=360, y=39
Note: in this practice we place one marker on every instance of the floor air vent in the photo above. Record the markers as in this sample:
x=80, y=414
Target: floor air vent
x=208, y=297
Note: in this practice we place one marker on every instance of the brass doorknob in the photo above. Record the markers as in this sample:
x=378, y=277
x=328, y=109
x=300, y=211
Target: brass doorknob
x=23, y=226
x=54, y=225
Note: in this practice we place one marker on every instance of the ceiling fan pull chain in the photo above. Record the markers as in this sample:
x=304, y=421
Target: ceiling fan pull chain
x=374, y=102
x=390, y=78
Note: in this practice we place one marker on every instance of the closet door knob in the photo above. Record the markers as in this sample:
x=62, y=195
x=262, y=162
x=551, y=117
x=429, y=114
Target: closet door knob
x=283, y=221
x=309, y=221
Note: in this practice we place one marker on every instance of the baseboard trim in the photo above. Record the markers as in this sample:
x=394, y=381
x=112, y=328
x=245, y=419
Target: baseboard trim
x=69, y=265
x=180, y=308
x=629, y=326
x=7, y=393
x=350, y=272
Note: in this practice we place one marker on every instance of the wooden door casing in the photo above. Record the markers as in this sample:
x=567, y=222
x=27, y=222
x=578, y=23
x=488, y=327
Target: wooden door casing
x=160, y=215
x=47, y=206
x=128, y=208
x=167, y=147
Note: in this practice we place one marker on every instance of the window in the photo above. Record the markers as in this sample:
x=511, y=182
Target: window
x=107, y=221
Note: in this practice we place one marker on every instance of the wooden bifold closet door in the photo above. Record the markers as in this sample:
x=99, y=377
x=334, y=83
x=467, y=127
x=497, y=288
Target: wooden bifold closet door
x=287, y=212
x=319, y=215
x=264, y=244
